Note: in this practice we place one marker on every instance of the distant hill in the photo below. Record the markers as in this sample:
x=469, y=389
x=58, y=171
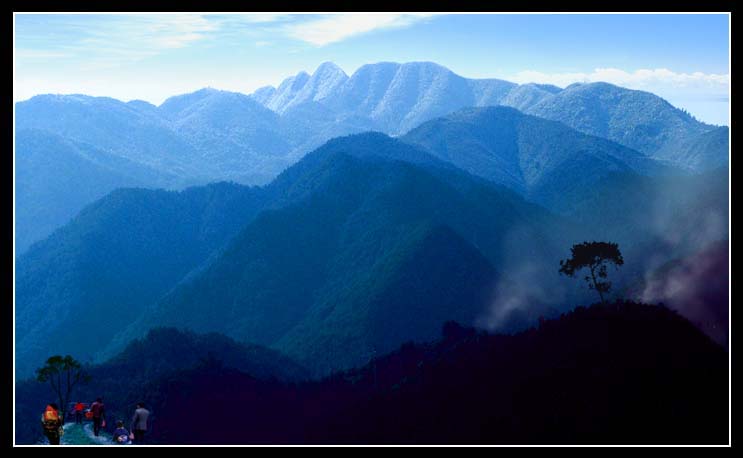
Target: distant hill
x=131, y=131
x=97, y=274
x=237, y=138
x=56, y=177
x=525, y=96
x=636, y=119
x=581, y=378
x=163, y=350
x=707, y=151
x=545, y=161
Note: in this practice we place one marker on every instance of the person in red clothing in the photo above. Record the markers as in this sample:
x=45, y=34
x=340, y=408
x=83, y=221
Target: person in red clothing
x=99, y=415
x=79, y=407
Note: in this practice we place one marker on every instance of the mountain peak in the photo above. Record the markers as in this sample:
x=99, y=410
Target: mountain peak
x=329, y=68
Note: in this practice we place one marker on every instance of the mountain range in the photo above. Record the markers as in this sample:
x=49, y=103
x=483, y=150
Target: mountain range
x=316, y=263
x=299, y=251
x=352, y=222
x=213, y=135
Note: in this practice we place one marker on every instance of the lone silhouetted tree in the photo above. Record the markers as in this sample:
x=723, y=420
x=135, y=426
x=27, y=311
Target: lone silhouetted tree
x=63, y=374
x=594, y=256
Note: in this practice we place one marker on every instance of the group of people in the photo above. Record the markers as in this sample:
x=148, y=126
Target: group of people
x=52, y=422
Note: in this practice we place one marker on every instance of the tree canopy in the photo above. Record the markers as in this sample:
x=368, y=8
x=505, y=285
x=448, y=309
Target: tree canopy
x=595, y=256
x=63, y=374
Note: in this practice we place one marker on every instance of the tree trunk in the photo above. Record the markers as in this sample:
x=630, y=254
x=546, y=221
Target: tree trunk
x=595, y=285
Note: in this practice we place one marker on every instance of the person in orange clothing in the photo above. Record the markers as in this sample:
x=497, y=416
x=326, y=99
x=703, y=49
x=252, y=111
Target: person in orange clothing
x=52, y=423
x=79, y=407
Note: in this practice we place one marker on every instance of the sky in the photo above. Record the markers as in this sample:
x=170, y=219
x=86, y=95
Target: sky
x=683, y=58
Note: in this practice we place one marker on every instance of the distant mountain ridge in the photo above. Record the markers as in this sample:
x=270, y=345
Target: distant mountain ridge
x=542, y=160
x=391, y=97
x=637, y=119
x=211, y=135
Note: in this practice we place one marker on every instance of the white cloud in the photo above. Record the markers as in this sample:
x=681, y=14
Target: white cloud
x=639, y=79
x=258, y=18
x=110, y=41
x=162, y=31
x=334, y=28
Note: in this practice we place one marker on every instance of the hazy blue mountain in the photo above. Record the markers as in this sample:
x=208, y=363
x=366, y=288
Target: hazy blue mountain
x=324, y=83
x=173, y=106
x=637, y=119
x=545, y=161
x=351, y=218
x=56, y=177
x=490, y=91
x=72, y=150
x=394, y=98
x=95, y=275
x=238, y=138
x=418, y=92
x=112, y=126
x=525, y=96
x=287, y=90
x=707, y=151
x=144, y=107
x=212, y=135
x=263, y=95
x=329, y=227
x=389, y=97
x=364, y=89
x=311, y=124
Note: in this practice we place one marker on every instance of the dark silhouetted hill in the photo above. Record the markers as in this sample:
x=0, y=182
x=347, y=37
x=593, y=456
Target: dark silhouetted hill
x=624, y=373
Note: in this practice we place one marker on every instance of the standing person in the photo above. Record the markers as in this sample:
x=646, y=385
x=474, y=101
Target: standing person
x=139, y=423
x=79, y=407
x=52, y=423
x=99, y=415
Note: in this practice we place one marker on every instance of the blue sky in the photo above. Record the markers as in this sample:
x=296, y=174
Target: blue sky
x=683, y=58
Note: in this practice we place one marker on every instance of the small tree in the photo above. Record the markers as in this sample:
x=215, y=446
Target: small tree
x=63, y=374
x=594, y=256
